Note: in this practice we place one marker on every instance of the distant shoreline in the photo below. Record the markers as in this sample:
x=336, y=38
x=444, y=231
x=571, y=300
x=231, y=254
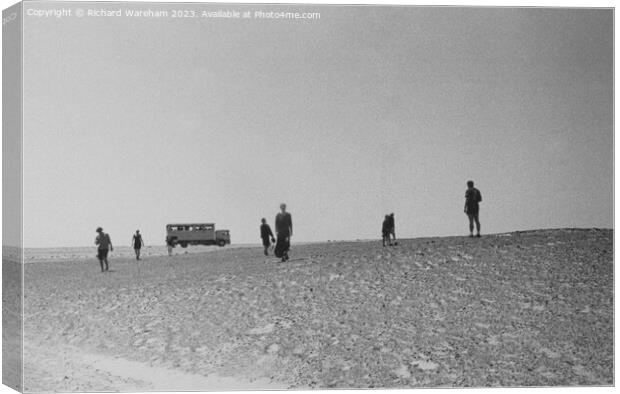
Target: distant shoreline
x=250, y=245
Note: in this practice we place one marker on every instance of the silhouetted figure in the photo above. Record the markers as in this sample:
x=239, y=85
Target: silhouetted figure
x=392, y=227
x=170, y=245
x=385, y=230
x=104, y=243
x=284, y=232
x=266, y=235
x=472, y=208
x=137, y=243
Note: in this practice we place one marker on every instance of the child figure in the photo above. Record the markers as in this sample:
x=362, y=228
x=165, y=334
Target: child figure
x=266, y=235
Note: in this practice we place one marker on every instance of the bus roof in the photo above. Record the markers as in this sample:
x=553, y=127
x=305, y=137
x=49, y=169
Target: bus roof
x=190, y=224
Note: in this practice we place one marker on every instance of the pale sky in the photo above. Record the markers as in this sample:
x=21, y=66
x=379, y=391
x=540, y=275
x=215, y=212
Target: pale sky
x=135, y=123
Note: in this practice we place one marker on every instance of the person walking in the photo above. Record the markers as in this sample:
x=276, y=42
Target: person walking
x=473, y=197
x=385, y=230
x=137, y=243
x=266, y=234
x=284, y=232
x=104, y=243
x=392, y=227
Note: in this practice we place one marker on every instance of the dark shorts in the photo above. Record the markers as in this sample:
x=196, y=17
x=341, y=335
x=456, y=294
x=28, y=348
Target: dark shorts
x=102, y=253
x=266, y=242
x=473, y=209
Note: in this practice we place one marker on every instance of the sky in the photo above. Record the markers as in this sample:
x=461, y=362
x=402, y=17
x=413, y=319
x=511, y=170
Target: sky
x=133, y=123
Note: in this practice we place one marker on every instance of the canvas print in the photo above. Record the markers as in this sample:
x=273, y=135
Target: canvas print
x=212, y=196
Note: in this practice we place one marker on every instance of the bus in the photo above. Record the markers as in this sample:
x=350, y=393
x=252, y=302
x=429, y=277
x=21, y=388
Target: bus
x=185, y=234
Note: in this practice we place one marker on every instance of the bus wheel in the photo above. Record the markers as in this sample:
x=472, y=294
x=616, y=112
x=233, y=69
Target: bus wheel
x=221, y=242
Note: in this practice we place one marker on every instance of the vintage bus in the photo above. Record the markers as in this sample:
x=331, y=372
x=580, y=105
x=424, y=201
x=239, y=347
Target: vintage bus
x=185, y=234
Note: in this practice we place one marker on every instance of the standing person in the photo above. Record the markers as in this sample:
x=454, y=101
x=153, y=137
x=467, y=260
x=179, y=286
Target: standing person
x=385, y=230
x=104, y=243
x=137, y=243
x=472, y=198
x=392, y=227
x=284, y=232
x=170, y=245
x=266, y=235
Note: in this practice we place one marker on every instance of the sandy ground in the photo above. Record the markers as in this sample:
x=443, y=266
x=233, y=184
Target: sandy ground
x=11, y=322
x=520, y=309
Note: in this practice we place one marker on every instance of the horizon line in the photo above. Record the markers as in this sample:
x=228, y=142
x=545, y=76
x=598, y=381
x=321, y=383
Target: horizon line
x=337, y=240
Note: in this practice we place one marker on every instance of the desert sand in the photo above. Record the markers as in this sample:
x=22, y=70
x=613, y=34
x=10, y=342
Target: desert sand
x=520, y=309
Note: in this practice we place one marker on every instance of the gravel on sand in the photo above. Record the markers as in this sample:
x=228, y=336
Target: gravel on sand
x=519, y=309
